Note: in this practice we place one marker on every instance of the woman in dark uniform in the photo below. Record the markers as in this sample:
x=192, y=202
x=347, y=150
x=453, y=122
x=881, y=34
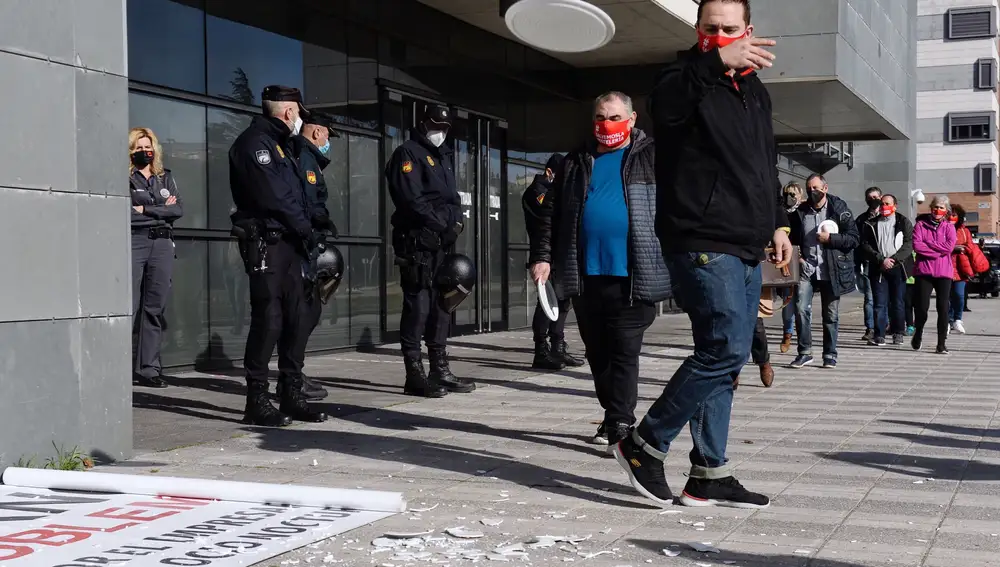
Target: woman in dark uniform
x=155, y=206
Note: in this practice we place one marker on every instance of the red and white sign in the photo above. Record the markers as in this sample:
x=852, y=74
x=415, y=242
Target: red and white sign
x=45, y=528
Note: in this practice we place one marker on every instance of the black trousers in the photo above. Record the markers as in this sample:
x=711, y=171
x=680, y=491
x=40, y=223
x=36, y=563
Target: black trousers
x=612, y=331
x=542, y=327
x=908, y=301
x=311, y=309
x=758, y=347
x=922, y=304
x=422, y=316
x=152, y=272
x=277, y=298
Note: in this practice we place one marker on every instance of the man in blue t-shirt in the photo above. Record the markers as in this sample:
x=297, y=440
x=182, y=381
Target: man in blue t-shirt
x=603, y=254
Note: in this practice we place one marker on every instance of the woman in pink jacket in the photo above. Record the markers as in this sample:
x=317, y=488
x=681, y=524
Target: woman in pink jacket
x=933, y=241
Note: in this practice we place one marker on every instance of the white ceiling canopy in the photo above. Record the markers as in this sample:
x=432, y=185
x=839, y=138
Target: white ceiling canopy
x=561, y=26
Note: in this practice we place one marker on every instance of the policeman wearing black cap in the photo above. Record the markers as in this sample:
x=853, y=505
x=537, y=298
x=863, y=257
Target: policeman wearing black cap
x=426, y=223
x=311, y=148
x=272, y=222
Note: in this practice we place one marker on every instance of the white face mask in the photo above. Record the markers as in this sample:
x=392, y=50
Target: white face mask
x=297, y=127
x=436, y=137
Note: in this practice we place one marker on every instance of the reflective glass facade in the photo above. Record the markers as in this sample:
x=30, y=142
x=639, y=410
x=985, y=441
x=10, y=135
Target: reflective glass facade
x=196, y=69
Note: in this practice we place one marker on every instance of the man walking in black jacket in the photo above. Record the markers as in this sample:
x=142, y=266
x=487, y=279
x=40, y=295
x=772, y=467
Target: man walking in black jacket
x=603, y=254
x=551, y=352
x=718, y=206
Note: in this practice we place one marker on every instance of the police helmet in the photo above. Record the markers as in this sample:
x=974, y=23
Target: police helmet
x=454, y=280
x=329, y=271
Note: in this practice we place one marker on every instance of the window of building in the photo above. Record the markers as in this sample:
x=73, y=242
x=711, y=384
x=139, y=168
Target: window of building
x=986, y=178
x=242, y=60
x=971, y=126
x=986, y=74
x=971, y=217
x=166, y=43
x=180, y=126
x=972, y=23
x=223, y=128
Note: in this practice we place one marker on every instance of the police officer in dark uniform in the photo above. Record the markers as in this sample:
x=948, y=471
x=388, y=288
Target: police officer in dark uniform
x=272, y=223
x=311, y=147
x=426, y=223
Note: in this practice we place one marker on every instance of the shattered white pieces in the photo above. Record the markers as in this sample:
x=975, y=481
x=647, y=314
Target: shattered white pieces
x=406, y=535
x=803, y=551
x=704, y=547
x=671, y=552
x=491, y=522
x=462, y=532
x=419, y=510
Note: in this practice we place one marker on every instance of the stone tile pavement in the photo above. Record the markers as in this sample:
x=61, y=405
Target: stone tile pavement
x=892, y=459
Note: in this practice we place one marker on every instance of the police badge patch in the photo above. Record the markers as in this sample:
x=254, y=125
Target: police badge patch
x=407, y=167
x=263, y=157
x=540, y=198
x=164, y=192
x=430, y=160
x=311, y=177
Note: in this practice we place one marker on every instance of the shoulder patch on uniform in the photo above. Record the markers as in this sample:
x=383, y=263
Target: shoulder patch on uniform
x=430, y=160
x=407, y=166
x=165, y=192
x=311, y=177
x=263, y=157
x=540, y=198
x=280, y=151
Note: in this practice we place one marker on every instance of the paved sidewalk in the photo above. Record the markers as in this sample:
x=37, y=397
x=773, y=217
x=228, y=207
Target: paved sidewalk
x=893, y=459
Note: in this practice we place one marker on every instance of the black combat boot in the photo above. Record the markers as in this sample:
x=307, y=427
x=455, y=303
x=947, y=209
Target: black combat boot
x=561, y=353
x=259, y=410
x=417, y=383
x=310, y=389
x=546, y=357
x=293, y=402
x=441, y=374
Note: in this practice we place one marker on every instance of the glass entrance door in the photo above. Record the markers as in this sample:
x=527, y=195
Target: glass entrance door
x=477, y=143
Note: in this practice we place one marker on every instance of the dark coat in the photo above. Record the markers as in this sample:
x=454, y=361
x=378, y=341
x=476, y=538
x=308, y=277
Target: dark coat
x=559, y=242
x=838, y=254
x=869, y=246
x=152, y=195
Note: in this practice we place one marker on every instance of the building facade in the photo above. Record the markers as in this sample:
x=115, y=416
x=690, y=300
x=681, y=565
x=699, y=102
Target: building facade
x=957, y=107
x=79, y=73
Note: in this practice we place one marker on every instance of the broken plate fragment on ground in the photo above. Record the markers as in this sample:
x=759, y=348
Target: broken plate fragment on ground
x=705, y=547
x=464, y=533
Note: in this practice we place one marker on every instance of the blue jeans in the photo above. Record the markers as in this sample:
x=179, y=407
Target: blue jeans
x=831, y=317
x=865, y=287
x=957, y=305
x=889, y=291
x=788, y=315
x=721, y=294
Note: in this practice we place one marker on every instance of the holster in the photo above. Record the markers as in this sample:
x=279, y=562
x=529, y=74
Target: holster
x=414, y=262
x=252, y=239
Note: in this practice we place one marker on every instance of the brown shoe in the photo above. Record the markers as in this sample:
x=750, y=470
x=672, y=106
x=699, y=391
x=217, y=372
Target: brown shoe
x=766, y=374
x=786, y=342
x=736, y=383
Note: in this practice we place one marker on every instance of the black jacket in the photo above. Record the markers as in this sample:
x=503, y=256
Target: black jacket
x=152, y=195
x=421, y=181
x=838, y=254
x=312, y=162
x=870, y=255
x=265, y=179
x=716, y=159
x=860, y=220
x=537, y=209
x=558, y=236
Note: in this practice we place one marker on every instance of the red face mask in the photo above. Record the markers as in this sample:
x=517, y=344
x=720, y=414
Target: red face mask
x=953, y=219
x=709, y=42
x=612, y=134
x=888, y=210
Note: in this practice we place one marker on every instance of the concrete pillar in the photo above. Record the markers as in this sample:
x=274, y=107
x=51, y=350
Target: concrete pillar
x=65, y=287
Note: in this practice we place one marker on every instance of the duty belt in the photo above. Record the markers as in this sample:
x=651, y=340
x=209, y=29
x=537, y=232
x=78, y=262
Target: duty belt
x=157, y=232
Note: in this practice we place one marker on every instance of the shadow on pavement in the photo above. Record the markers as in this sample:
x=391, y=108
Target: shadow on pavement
x=940, y=468
x=949, y=429
x=738, y=557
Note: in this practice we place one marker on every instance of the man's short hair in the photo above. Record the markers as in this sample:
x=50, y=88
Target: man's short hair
x=612, y=95
x=745, y=3
x=895, y=201
x=873, y=189
x=816, y=176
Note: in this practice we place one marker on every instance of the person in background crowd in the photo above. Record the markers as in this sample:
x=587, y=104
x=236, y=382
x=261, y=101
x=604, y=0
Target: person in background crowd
x=426, y=224
x=887, y=255
x=908, y=302
x=963, y=269
x=934, y=242
x=550, y=340
x=794, y=196
x=873, y=198
x=600, y=249
x=719, y=206
x=156, y=205
x=827, y=265
x=758, y=348
x=311, y=148
x=276, y=241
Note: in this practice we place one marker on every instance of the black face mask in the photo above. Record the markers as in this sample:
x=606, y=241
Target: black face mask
x=791, y=201
x=874, y=203
x=816, y=196
x=142, y=158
